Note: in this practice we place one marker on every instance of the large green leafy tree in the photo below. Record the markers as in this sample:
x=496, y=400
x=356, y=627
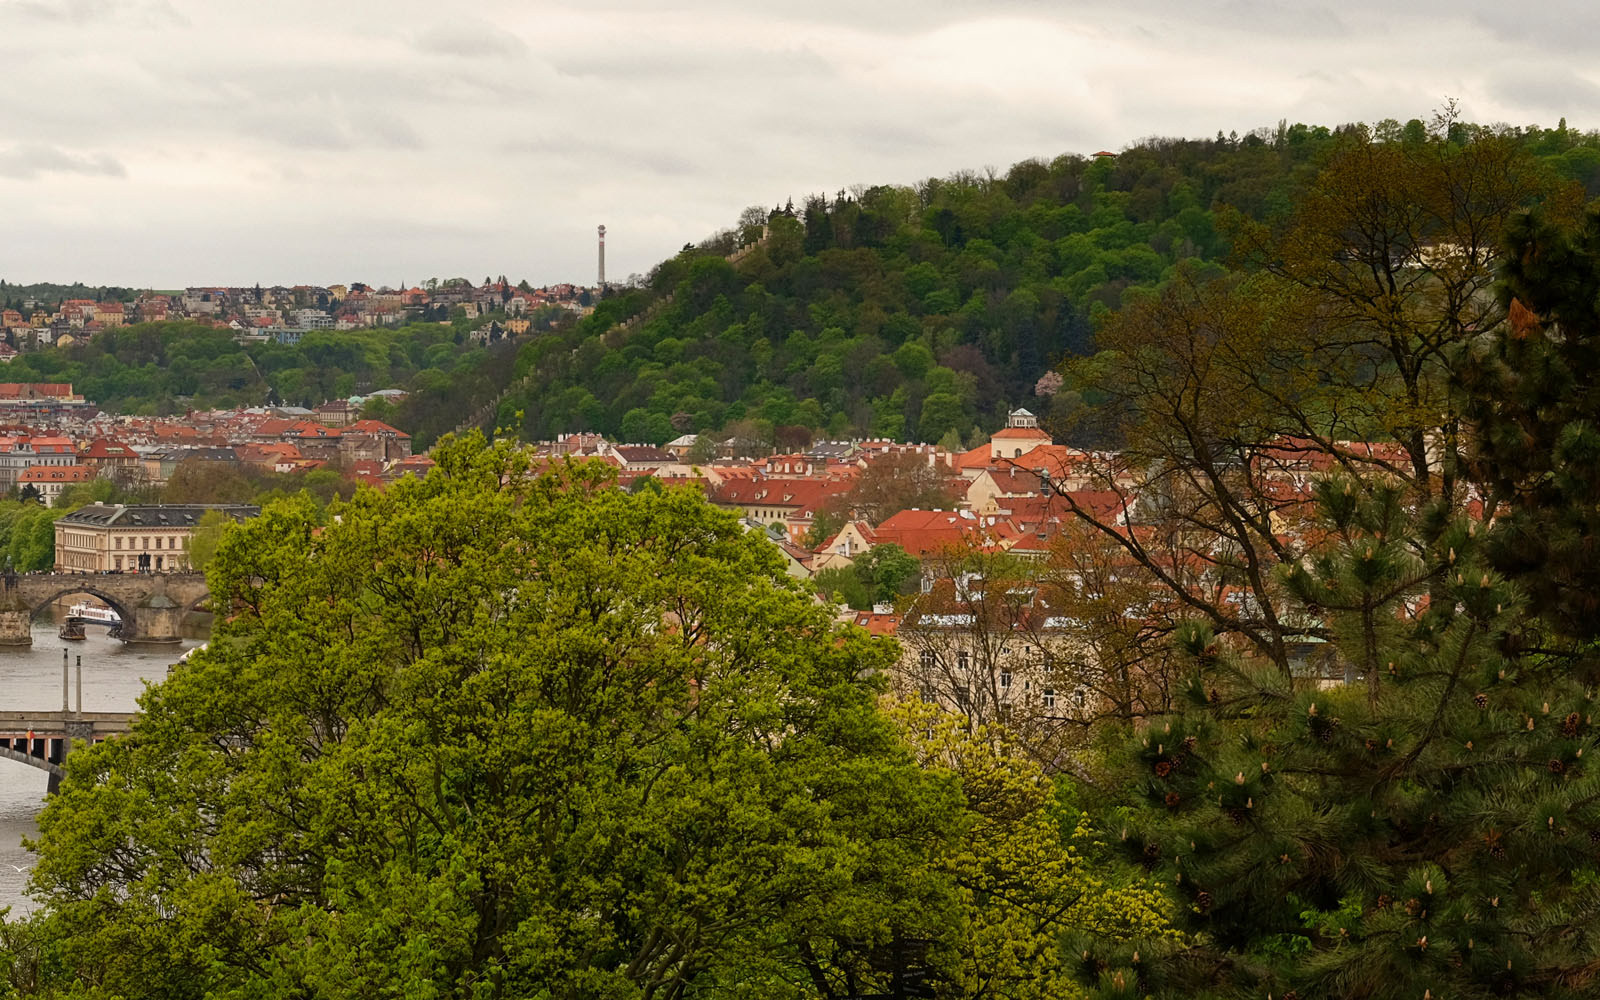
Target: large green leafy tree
x=495, y=734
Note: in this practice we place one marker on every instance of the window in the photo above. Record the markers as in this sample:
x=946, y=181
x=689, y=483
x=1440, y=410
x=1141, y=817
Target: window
x=1049, y=698
x=158, y=541
x=929, y=659
x=1080, y=696
x=962, y=660
x=1005, y=678
x=117, y=544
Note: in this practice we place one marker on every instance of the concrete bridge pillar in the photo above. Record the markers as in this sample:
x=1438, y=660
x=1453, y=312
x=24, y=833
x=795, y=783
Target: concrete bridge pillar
x=156, y=621
x=16, y=620
x=77, y=729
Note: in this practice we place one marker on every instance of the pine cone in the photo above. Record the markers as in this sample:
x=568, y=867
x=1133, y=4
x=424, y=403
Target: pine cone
x=1556, y=766
x=1173, y=798
x=1384, y=901
x=1152, y=852
x=1411, y=907
x=1203, y=900
x=1291, y=995
x=1594, y=837
x=1163, y=768
x=1189, y=742
x=1481, y=700
x=1497, y=852
x=1569, y=725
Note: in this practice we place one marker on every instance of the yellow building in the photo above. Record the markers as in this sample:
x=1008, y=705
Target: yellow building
x=118, y=538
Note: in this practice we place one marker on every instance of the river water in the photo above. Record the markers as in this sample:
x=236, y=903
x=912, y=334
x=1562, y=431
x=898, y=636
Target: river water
x=114, y=676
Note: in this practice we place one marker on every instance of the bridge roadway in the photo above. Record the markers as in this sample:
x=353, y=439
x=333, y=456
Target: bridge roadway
x=42, y=739
x=151, y=605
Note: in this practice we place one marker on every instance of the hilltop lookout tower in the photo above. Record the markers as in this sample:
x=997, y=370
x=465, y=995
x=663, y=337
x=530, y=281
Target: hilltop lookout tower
x=602, y=257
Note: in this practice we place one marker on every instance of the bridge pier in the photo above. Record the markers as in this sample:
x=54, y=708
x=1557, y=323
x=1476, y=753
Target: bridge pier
x=16, y=629
x=16, y=620
x=155, y=622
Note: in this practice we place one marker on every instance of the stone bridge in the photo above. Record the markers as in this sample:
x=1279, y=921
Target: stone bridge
x=151, y=605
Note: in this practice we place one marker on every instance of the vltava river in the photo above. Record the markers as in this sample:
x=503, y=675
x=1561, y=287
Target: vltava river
x=114, y=675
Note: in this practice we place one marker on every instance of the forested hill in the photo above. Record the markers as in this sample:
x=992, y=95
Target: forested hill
x=923, y=312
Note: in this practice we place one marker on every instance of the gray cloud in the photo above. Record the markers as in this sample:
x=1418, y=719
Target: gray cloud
x=308, y=141
x=469, y=38
x=26, y=162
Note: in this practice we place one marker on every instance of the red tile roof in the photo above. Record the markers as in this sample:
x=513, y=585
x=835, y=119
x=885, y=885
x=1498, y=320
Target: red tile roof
x=373, y=427
x=56, y=474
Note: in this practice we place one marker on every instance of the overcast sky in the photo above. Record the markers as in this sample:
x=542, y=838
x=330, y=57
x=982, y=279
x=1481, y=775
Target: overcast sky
x=179, y=142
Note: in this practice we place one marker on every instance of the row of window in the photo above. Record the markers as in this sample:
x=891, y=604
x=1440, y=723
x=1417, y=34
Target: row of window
x=930, y=659
x=173, y=542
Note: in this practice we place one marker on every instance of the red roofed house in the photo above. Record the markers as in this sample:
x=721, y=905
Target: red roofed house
x=53, y=451
x=415, y=465
x=792, y=503
x=50, y=480
x=315, y=441
x=277, y=456
x=878, y=623
x=852, y=540
x=1020, y=435
x=109, y=314
x=373, y=441
x=103, y=456
x=36, y=392
x=925, y=532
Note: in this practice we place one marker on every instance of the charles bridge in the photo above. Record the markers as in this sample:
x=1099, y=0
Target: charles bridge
x=151, y=605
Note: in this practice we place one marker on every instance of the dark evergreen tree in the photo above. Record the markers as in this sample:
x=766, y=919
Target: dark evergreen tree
x=1433, y=828
x=1532, y=394
x=1427, y=831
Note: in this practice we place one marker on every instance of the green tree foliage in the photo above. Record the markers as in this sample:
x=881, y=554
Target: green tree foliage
x=856, y=316
x=1532, y=396
x=161, y=368
x=844, y=585
x=28, y=534
x=206, y=539
x=494, y=734
x=1429, y=827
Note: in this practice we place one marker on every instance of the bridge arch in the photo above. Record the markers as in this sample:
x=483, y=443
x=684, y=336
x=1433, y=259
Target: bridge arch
x=67, y=590
x=151, y=605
